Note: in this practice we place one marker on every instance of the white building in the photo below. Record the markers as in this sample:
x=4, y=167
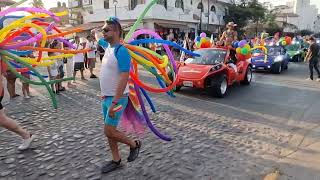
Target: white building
x=180, y=15
x=297, y=12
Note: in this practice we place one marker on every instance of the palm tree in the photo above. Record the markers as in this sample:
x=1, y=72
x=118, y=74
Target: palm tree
x=37, y=3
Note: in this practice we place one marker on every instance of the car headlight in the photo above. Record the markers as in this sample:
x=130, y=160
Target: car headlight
x=278, y=59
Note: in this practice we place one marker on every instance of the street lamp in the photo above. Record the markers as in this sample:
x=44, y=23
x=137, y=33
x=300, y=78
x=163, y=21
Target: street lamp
x=115, y=3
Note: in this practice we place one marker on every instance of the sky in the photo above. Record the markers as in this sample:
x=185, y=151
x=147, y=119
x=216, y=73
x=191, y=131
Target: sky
x=47, y=3
x=280, y=2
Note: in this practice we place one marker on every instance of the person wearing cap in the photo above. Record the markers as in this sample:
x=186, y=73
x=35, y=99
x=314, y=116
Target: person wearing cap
x=230, y=35
x=313, y=58
x=114, y=76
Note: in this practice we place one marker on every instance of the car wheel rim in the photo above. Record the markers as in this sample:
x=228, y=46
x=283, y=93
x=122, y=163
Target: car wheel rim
x=223, y=87
x=249, y=75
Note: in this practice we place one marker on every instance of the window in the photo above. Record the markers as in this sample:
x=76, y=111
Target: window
x=164, y=3
x=226, y=10
x=179, y=4
x=213, y=8
x=134, y=3
x=200, y=6
x=106, y=4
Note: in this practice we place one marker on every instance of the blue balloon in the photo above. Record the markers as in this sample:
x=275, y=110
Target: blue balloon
x=198, y=38
x=20, y=53
x=148, y=99
x=235, y=44
x=160, y=41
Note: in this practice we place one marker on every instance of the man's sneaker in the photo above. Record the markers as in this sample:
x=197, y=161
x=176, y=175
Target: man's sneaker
x=111, y=166
x=26, y=143
x=318, y=79
x=134, y=152
x=309, y=79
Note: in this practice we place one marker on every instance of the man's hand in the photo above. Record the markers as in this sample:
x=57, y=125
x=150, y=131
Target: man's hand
x=111, y=112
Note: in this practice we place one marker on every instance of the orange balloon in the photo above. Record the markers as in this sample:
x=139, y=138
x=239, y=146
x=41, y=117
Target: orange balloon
x=54, y=50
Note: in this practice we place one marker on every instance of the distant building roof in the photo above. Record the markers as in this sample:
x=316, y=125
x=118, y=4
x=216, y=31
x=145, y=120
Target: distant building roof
x=4, y=3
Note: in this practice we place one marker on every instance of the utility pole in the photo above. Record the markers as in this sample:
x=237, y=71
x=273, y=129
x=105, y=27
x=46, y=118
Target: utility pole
x=208, y=15
x=201, y=16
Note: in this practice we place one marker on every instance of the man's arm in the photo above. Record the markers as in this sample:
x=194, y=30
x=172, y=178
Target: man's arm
x=124, y=62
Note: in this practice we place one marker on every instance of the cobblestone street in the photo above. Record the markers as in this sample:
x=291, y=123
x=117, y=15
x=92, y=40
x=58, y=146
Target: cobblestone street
x=207, y=142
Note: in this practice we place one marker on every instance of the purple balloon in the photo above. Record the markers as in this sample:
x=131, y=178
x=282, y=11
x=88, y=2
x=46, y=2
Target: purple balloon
x=70, y=45
x=242, y=43
x=166, y=47
x=203, y=35
x=149, y=123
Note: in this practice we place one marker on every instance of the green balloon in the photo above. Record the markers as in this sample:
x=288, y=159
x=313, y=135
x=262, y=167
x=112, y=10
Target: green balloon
x=244, y=51
x=136, y=24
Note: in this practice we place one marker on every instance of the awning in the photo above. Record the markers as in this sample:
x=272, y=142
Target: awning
x=173, y=26
x=87, y=26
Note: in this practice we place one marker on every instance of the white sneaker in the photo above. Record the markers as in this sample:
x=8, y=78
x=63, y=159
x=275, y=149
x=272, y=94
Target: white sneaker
x=26, y=143
x=318, y=79
x=309, y=79
x=27, y=97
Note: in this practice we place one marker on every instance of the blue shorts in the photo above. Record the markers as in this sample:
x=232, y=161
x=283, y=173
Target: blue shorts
x=106, y=103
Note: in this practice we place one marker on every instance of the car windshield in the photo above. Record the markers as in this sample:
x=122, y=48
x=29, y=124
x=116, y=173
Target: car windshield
x=208, y=56
x=274, y=50
x=293, y=47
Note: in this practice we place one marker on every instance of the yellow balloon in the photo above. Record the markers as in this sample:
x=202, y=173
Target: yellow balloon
x=247, y=46
x=145, y=62
x=238, y=50
x=265, y=51
x=5, y=31
x=40, y=29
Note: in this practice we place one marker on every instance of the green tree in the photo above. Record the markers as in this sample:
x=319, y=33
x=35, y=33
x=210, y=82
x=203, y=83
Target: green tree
x=305, y=32
x=246, y=11
x=37, y=3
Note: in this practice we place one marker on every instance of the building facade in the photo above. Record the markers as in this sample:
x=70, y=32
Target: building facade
x=178, y=15
x=296, y=13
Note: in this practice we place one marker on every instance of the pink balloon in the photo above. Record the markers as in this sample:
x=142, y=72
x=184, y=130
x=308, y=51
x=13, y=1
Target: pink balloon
x=29, y=9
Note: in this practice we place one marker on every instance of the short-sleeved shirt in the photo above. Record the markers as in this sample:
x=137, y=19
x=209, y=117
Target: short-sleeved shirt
x=80, y=56
x=92, y=53
x=115, y=61
x=314, y=49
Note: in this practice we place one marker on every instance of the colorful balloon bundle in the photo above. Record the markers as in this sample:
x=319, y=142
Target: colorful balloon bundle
x=243, y=49
x=203, y=41
x=284, y=41
x=135, y=116
x=28, y=35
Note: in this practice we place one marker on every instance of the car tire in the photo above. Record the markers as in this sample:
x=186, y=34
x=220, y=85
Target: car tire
x=299, y=58
x=177, y=89
x=276, y=68
x=219, y=86
x=248, y=77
